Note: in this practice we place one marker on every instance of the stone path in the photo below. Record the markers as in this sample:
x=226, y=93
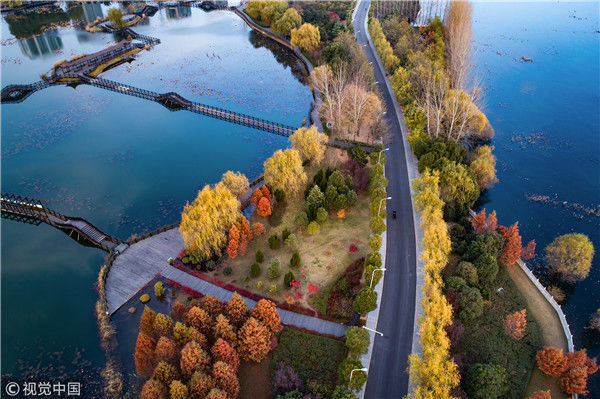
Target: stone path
x=142, y=261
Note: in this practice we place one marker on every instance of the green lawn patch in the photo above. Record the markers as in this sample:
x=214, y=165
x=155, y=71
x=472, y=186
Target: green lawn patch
x=314, y=358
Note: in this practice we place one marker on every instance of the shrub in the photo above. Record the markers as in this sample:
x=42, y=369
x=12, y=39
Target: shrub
x=373, y=258
x=357, y=153
x=210, y=265
x=456, y=283
x=321, y=215
x=357, y=340
x=342, y=392
x=274, y=242
x=145, y=298
x=301, y=220
x=159, y=289
x=274, y=269
x=345, y=373
x=292, y=241
x=352, y=198
x=260, y=256
x=557, y=293
x=313, y=227
x=227, y=271
x=375, y=242
x=365, y=301
x=287, y=279
x=341, y=202
x=471, y=304
x=285, y=379
x=285, y=234
x=258, y=228
x=377, y=225
x=295, y=259
x=485, y=381
x=468, y=272
x=255, y=270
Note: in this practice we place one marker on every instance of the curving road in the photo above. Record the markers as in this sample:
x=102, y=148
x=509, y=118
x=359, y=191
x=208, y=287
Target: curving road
x=388, y=377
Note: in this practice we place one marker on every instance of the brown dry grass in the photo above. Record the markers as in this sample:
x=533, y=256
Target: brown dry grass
x=552, y=332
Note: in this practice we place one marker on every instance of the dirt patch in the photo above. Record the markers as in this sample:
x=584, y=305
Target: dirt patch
x=255, y=379
x=551, y=328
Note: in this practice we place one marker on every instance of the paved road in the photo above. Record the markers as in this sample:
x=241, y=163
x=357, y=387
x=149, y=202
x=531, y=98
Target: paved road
x=388, y=377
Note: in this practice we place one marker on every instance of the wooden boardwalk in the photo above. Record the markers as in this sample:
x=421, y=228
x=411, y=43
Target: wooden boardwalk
x=141, y=262
x=17, y=205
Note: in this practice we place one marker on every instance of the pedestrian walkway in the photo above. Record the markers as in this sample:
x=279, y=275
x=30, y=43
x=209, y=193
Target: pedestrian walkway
x=142, y=261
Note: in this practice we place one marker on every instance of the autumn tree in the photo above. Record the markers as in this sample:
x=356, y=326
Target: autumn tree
x=193, y=358
x=513, y=251
x=515, y=324
x=153, y=389
x=198, y=337
x=540, y=395
x=178, y=390
x=223, y=329
x=225, y=378
x=483, y=223
x=264, y=207
x=198, y=318
x=165, y=373
x=237, y=310
x=307, y=37
x=458, y=185
x=483, y=165
x=309, y=142
x=147, y=321
x=574, y=381
x=180, y=334
x=551, y=361
x=144, y=351
x=284, y=171
x=200, y=384
x=163, y=325
x=254, y=7
x=166, y=350
x=256, y=196
x=570, y=256
x=223, y=351
x=254, y=341
x=288, y=21
x=237, y=183
x=360, y=107
x=205, y=221
x=177, y=311
x=595, y=321
x=212, y=305
x=258, y=228
x=216, y=393
x=272, y=11
x=459, y=42
x=266, y=313
x=115, y=16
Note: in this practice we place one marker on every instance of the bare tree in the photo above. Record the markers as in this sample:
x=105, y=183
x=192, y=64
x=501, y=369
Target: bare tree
x=459, y=43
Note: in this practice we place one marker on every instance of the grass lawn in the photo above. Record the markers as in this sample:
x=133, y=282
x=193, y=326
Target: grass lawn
x=314, y=358
x=485, y=341
x=324, y=256
x=551, y=330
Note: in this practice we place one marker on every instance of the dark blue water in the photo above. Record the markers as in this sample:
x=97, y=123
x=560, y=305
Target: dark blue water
x=555, y=103
x=126, y=164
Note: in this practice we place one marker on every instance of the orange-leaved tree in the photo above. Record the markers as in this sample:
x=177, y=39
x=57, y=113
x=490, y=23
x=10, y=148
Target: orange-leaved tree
x=201, y=384
x=237, y=310
x=198, y=318
x=513, y=250
x=551, y=361
x=515, y=324
x=258, y=228
x=483, y=223
x=147, y=321
x=540, y=395
x=254, y=341
x=222, y=351
x=193, y=358
x=264, y=207
x=226, y=379
x=266, y=313
x=144, y=351
x=166, y=350
x=212, y=305
x=223, y=329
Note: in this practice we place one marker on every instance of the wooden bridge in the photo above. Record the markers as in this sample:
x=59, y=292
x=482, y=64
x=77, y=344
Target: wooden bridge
x=33, y=209
x=174, y=102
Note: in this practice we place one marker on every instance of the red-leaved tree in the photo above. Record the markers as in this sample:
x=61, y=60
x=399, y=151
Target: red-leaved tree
x=483, y=223
x=166, y=350
x=264, y=207
x=222, y=351
x=265, y=312
x=551, y=361
x=226, y=379
x=254, y=341
x=513, y=249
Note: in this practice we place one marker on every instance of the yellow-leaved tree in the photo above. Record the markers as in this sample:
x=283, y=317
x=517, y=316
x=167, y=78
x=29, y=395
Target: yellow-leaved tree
x=310, y=143
x=288, y=21
x=284, y=171
x=483, y=164
x=206, y=221
x=272, y=11
x=237, y=183
x=433, y=373
x=254, y=8
x=307, y=37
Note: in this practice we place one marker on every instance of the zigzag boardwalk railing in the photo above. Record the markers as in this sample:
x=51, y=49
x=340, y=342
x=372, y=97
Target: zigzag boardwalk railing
x=175, y=101
x=20, y=206
x=18, y=93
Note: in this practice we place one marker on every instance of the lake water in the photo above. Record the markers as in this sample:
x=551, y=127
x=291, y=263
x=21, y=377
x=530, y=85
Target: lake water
x=126, y=164
x=546, y=117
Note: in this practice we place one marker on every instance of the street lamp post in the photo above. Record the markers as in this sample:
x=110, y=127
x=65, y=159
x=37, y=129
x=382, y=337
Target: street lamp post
x=381, y=152
x=350, y=379
x=380, y=202
x=375, y=331
x=373, y=275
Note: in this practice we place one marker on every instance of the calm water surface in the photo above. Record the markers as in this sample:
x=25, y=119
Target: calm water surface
x=126, y=164
x=546, y=116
